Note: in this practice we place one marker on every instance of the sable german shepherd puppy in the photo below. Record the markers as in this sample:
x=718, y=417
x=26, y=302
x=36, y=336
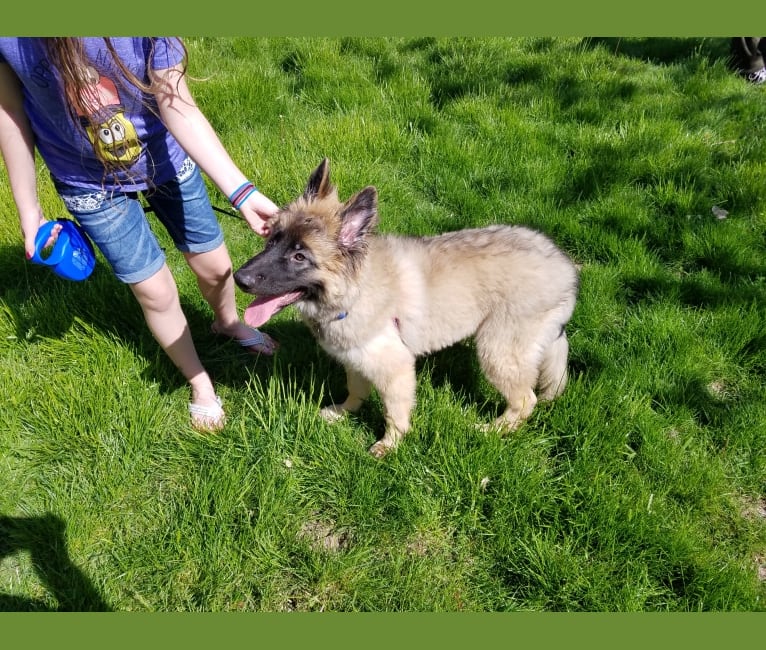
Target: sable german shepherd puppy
x=376, y=302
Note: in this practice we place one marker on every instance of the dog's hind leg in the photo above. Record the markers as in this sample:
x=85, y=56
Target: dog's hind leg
x=513, y=369
x=521, y=401
x=359, y=390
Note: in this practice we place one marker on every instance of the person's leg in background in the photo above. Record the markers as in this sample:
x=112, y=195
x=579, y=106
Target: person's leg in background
x=747, y=58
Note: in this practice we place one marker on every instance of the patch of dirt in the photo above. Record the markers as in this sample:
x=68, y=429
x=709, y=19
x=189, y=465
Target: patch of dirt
x=323, y=536
x=754, y=508
x=760, y=562
x=718, y=389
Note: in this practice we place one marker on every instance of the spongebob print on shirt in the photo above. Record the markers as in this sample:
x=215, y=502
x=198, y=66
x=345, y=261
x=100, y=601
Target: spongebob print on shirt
x=111, y=133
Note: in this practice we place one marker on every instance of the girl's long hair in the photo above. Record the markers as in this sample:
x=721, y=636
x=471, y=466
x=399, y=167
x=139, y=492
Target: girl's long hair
x=67, y=56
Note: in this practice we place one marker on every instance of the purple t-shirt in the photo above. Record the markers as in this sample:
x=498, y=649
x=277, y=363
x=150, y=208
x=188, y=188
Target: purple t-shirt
x=132, y=139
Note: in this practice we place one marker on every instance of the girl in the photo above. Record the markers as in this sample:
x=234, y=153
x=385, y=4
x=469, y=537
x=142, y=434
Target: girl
x=111, y=118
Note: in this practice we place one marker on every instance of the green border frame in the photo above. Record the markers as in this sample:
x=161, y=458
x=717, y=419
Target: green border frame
x=368, y=630
x=391, y=18
x=394, y=18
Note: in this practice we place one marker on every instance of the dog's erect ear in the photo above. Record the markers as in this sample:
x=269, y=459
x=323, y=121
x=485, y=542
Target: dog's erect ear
x=358, y=216
x=319, y=182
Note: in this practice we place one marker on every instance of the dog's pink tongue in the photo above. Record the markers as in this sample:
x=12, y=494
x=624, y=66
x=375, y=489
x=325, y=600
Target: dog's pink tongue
x=263, y=308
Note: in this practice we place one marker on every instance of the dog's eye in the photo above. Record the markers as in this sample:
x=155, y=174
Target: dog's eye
x=299, y=257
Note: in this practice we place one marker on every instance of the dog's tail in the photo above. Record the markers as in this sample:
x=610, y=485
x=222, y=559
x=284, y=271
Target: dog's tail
x=553, y=369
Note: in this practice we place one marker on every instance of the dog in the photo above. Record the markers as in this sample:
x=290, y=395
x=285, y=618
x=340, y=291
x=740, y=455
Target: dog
x=376, y=302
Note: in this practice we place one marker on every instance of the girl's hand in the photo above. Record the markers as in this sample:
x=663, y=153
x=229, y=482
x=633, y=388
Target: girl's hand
x=30, y=233
x=256, y=210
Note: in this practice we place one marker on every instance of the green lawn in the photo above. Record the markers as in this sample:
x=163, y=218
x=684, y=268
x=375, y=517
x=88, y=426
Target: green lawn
x=643, y=488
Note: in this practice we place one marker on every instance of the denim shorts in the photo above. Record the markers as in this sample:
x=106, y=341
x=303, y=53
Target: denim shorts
x=117, y=223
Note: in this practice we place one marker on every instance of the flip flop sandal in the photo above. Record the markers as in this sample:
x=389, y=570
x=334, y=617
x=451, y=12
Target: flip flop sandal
x=258, y=343
x=208, y=418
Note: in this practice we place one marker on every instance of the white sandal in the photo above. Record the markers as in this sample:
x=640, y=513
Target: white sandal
x=208, y=418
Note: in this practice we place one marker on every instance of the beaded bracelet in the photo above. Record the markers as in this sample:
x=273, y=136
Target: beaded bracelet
x=241, y=194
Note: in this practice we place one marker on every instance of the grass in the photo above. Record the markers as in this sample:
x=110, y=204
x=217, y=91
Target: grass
x=643, y=488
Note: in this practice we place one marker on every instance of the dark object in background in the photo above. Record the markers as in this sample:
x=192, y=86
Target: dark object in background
x=747, y=58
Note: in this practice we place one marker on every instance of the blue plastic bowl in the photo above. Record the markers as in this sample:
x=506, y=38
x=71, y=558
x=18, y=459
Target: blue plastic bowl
x=71, y=256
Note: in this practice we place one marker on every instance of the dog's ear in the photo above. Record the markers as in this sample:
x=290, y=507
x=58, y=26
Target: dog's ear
x=358, y=216
x=319, y=184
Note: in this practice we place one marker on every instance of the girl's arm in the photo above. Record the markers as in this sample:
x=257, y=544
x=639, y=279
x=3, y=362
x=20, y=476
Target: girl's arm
x=191, y=129
x=17, y=148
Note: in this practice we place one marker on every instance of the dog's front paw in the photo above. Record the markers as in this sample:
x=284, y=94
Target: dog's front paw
x=500, y=427
x=332, y=413
x=380, y=449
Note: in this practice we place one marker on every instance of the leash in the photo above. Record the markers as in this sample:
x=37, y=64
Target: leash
x=222, y=211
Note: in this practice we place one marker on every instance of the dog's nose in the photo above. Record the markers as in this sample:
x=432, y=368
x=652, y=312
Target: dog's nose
x=239, y=279
x=245, y=280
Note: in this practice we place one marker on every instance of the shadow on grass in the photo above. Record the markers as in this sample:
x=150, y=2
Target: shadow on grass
x=657, y=49
x=454, y=77
x=692, y=291
x=44, y=538
x=457, y=368
x=42, y=305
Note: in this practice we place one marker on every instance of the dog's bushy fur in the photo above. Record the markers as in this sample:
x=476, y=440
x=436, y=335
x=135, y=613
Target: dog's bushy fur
x=377, y=302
